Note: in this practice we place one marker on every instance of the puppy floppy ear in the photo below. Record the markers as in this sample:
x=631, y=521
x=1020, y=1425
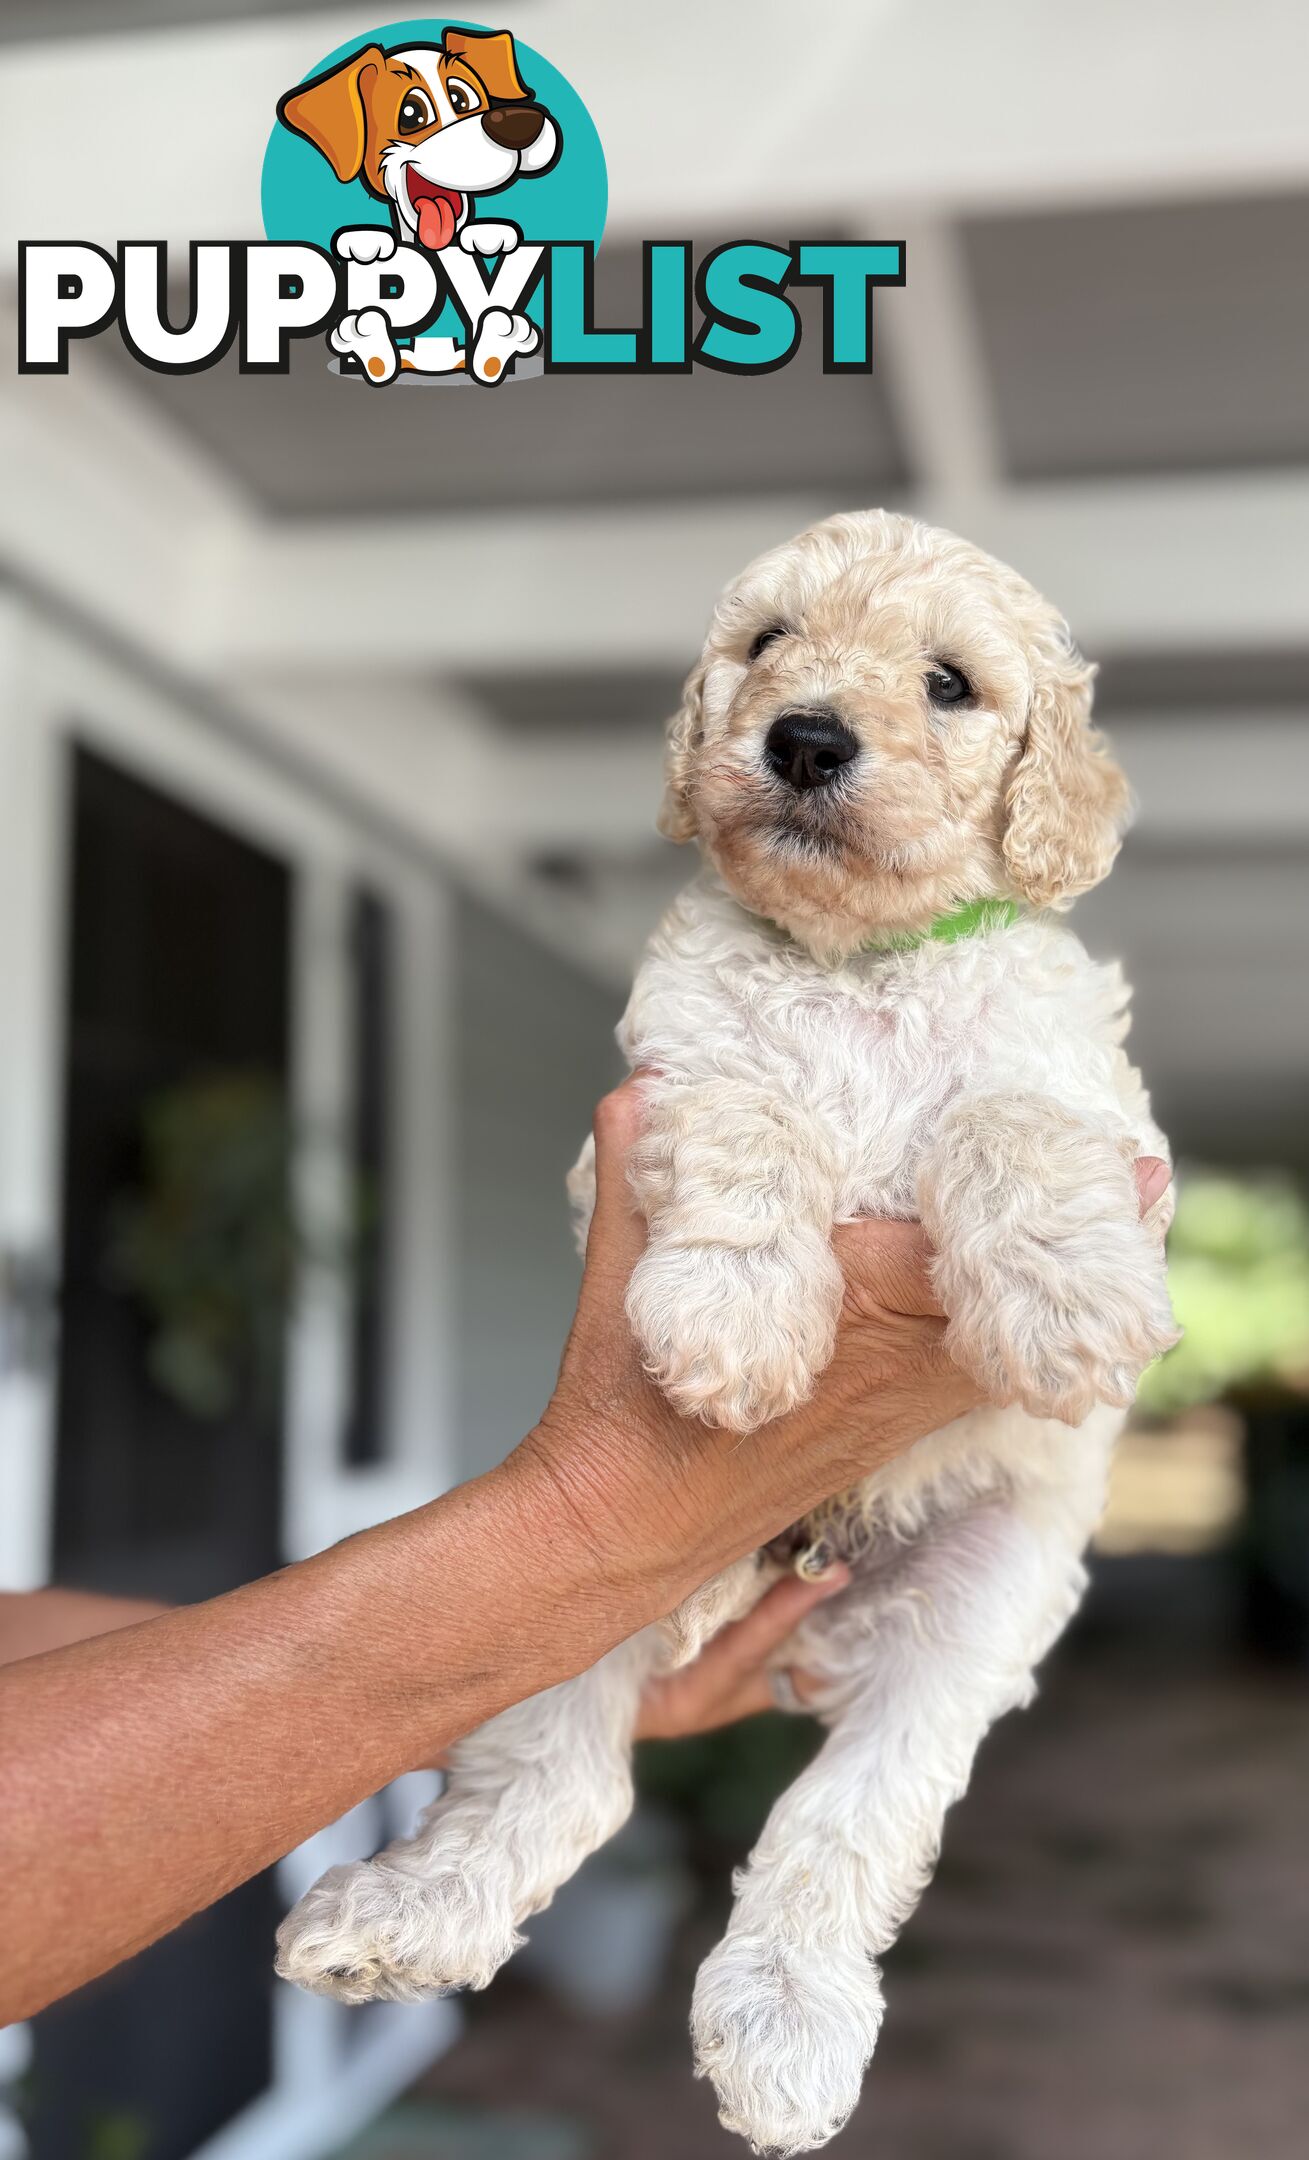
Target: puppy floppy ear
x=1068, y=802
x=491, y=56
x=676, y=820
x=331, y=112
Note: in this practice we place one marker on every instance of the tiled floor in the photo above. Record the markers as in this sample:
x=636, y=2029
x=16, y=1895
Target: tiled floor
x=1113, y=1963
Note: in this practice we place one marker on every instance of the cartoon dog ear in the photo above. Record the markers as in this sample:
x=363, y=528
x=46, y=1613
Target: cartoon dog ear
x=491, y=56
x=676, y=819
x=1068, y=802
x=331, y=111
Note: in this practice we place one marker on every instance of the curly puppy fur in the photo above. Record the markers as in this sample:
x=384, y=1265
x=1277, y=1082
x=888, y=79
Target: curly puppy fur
x=814, y=1063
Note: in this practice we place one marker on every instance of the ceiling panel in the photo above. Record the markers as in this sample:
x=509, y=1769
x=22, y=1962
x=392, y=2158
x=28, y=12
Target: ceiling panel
x=1267, y=681
x=311, y=443
x=551, y=701
x=1147, y=338
x=573, y=701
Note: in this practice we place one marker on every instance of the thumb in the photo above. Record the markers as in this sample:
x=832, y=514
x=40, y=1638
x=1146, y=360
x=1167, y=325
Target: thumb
x=617, y=1232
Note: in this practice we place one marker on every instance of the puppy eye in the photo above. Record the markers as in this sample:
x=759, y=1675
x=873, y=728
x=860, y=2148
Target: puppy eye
x=766, y=638
x=460, y=96
x=948, y=685
x=416, y=112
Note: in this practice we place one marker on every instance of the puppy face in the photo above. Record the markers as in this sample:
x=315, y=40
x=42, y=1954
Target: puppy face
x=886, y=723
x=427, y=127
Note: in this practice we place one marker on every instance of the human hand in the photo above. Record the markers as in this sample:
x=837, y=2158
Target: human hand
x=731, y=1677
x=662, y=1502
x=659, y=1502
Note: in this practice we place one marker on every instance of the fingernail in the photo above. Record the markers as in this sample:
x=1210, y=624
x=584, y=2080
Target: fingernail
x=834, y=1577
x=1155, y=1182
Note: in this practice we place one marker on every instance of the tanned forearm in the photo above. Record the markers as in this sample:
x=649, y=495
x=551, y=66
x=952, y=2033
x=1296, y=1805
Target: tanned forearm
x=148, y=1770
x=35, y=1620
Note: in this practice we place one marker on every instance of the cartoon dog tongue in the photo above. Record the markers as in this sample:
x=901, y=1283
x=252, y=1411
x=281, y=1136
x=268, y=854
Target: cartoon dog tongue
x=436, y=222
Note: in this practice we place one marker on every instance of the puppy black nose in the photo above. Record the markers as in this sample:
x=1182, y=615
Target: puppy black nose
x=513, y=126
x=807, y=749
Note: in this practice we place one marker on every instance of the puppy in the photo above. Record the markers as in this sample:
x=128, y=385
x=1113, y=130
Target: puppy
x=867, y=1005
x=426, y=128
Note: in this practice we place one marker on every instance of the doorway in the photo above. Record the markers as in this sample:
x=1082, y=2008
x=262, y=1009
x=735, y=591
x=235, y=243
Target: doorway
x=178, y=972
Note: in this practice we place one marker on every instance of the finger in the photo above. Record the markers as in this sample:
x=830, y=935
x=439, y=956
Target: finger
x=756, y=1691
x=1153, y=1177
x=747, y=1644
x=889, y=1262
x=752, y=1694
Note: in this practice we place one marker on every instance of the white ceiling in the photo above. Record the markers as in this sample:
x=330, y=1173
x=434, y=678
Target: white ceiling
x=876, y=107
x=472, y=622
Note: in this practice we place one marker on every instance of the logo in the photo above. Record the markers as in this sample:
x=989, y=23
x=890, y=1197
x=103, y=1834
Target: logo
x=433, y=195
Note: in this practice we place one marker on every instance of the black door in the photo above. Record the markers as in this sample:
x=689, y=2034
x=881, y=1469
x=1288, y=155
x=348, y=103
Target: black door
x=178, y=975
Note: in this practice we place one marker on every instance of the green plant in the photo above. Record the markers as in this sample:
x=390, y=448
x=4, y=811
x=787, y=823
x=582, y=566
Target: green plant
x=116, y=2134
x=210, y=1241
x=1238, y=1268
x=722, y=1784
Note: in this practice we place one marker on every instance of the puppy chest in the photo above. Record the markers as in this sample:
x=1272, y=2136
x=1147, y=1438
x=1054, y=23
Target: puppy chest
x=881, y=1075
x=875, y=1074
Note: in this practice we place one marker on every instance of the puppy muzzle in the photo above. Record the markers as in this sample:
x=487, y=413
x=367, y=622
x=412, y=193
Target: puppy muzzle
x=809, y=748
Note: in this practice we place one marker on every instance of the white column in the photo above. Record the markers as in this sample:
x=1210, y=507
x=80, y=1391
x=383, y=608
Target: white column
x=32, y=856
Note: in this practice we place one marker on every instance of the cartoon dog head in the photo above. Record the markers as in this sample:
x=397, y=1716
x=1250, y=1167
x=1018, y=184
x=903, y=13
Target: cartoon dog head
x=428, y=127
x=884, y=724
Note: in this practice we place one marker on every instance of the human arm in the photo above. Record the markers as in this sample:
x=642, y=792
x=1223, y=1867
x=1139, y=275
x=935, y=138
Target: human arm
x=728, y=1680
x=35, y=1620
x=732, y=1676
x=146, y=1772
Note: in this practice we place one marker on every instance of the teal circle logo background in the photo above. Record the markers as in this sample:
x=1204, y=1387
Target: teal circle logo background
x=302, y=199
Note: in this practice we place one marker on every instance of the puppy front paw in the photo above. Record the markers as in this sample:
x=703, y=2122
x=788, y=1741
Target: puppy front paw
x=365, y=244
x=785, y=2030
x=490, y=236
x=373, y=1932
x=1060, y=1333
x=732, y=1336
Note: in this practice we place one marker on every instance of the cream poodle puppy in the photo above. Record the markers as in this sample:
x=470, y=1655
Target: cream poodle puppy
x=867, y=1004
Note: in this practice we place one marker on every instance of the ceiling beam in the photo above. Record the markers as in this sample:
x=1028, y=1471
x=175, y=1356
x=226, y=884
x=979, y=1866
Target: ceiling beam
x=929, y=358
x=1140, y=566
x=106, y=507
x=1212, y=781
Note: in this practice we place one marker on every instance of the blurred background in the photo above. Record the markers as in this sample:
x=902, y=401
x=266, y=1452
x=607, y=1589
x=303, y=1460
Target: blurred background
x=329, y=747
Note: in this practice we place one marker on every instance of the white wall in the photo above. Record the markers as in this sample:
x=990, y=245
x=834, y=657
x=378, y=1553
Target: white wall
x=533, y=1049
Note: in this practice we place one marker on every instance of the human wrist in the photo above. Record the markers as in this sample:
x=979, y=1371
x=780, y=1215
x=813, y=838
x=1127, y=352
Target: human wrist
x=581, y=1513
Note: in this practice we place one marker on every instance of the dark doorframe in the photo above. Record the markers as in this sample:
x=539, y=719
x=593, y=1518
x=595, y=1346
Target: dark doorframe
x=178, y=970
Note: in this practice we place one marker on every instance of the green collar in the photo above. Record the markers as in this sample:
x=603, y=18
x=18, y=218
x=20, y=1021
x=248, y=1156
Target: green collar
x=965, y=922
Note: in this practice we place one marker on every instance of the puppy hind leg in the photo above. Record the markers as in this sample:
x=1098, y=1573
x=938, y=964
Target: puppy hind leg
x=528, y=1797
x=914, y=1669
x=366, y=339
